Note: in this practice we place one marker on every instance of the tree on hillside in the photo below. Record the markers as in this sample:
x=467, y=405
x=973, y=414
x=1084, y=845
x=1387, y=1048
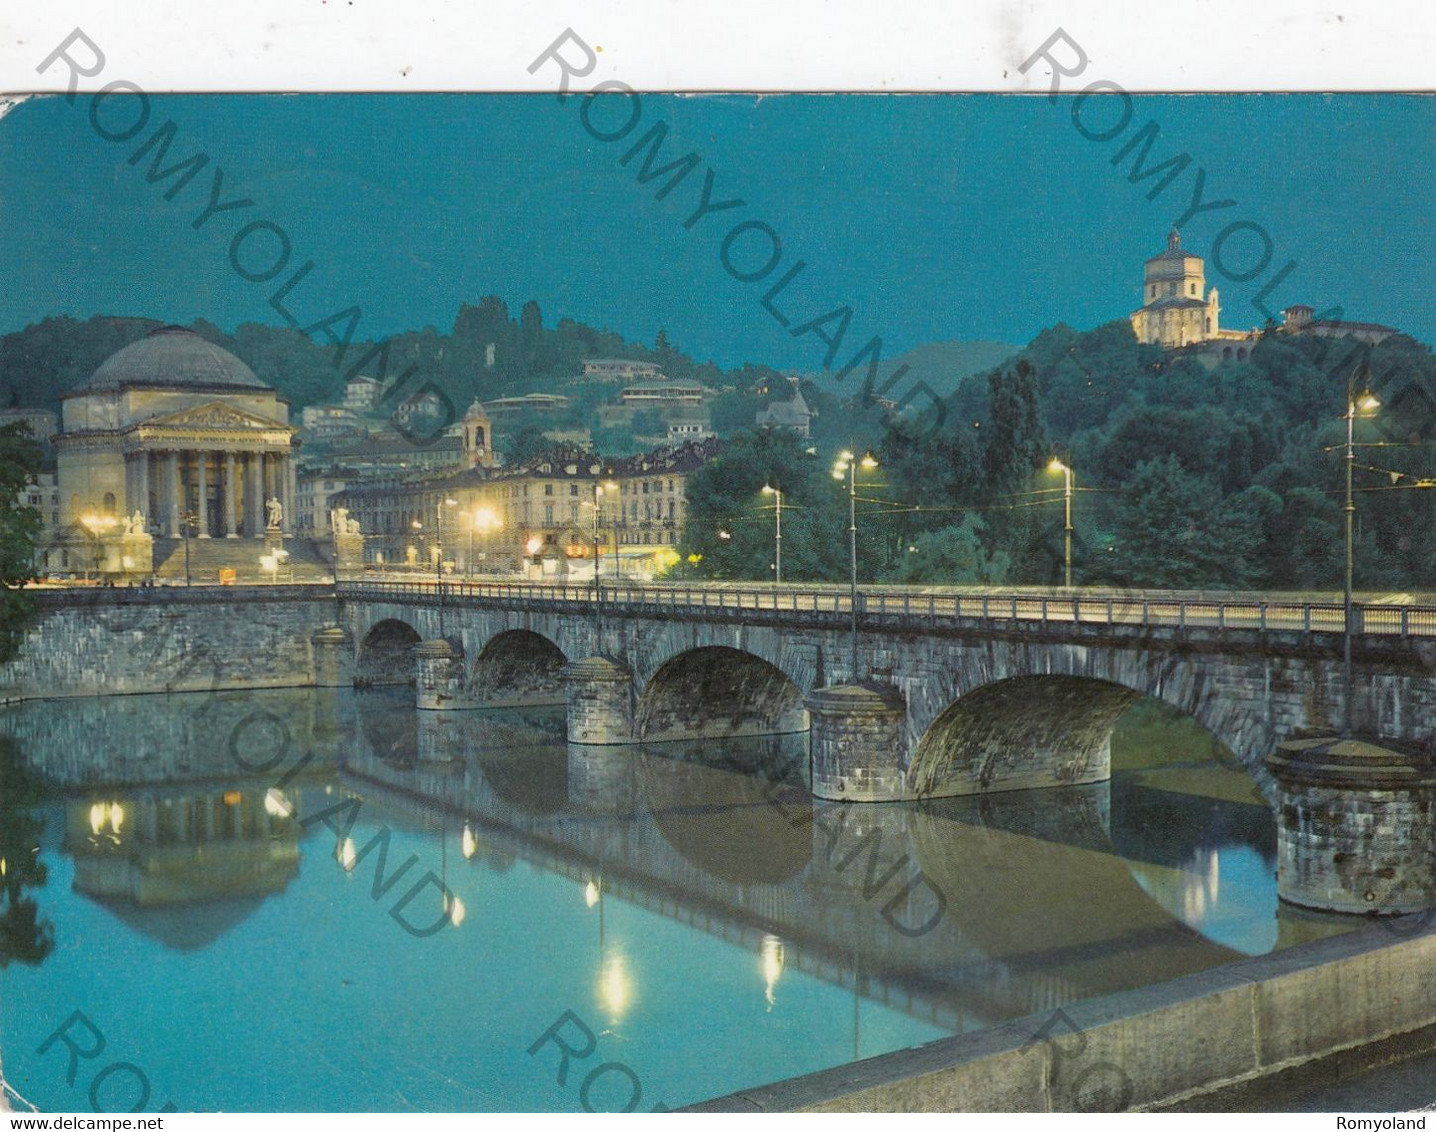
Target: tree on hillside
x=951, y=555
x=1014, y=443
x=532, y=342
x=1175, y=531
x=730, y=522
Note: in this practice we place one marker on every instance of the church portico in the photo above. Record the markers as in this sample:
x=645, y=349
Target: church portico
x=223, y=489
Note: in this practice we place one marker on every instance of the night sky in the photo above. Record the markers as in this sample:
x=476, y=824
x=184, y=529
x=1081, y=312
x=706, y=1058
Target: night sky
x=933, y=217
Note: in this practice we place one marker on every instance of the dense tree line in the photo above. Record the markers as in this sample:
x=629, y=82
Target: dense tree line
x=1186, y=477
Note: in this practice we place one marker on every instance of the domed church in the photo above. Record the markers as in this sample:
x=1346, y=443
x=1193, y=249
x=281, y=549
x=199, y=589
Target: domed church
x=173, y=430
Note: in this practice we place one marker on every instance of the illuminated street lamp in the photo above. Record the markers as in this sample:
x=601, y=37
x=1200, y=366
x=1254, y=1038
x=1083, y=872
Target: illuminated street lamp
x=599, y=487
x=1366, y=405
x=439, y=554
x=847, y=468
x=1058, y=466
x=777, y=494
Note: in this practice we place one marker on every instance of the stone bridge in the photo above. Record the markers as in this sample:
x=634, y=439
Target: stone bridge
x=952, y=694
x=913, y=694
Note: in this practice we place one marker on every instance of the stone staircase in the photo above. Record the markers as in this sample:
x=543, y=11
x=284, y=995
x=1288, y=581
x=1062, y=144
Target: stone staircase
x=208, y=556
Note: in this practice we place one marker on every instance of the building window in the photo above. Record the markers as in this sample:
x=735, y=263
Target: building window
x=548, y=489
x=573, y=489
x=548, y=514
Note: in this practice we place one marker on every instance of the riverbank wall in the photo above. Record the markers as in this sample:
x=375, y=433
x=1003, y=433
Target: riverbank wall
x=1153, y=1048
x=169, y=639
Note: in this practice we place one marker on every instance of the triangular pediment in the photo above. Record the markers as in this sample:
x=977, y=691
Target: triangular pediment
x=217, y=415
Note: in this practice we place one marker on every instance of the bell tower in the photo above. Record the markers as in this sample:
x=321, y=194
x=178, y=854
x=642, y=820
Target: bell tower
x=477, y=432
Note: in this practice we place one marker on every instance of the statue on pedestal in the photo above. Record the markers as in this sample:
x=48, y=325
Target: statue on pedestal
x=275, y=510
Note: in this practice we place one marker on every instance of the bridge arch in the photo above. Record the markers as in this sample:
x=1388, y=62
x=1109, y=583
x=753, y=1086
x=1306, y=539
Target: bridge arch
x=717, y=690
x=518, y=666
x=1240, y=706
x=386, y=654
x=1020, y=733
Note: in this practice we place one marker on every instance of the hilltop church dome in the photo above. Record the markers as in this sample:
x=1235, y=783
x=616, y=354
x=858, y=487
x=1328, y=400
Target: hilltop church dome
x=172, y=358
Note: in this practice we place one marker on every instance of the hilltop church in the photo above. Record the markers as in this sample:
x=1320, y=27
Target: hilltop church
x=1179, y=310
x=1180, y=313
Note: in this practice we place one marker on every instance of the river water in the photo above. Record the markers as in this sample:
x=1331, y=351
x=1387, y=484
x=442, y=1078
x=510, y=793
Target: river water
x=325, y=900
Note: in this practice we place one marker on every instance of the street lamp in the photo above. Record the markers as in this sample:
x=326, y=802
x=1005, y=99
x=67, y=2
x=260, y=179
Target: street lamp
x=1366, y=404
x=1058, y=466
x=777, y=494
x=847, y=468
x=187, y=518
x=439, y=554
x=599, y=487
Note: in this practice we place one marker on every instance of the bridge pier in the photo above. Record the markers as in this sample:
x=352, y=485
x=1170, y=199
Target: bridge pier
x=1356, y=826
x=599, y=694
x=858, y=740
x=333, y=657
x=439, y=674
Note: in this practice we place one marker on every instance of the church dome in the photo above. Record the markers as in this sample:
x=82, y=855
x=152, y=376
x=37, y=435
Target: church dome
x=172, y=358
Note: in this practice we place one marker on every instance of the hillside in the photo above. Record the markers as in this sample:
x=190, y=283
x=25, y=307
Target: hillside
x=943, y=365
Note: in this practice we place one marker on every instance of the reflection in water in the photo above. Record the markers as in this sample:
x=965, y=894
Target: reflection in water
x=25, y=937
x=219, y=848
x=772, y=967
x=711, y=923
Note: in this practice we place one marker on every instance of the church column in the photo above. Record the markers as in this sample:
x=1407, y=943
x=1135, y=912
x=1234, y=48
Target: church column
x=142, y=486
x=251, y=494
x=263, y=473
x=260, y=492
x=291, y=517
x=231, y=515
x=161, y=495
x=176, y=499
x=201, y=459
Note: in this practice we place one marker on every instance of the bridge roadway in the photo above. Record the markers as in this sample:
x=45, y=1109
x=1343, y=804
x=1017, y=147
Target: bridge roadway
x=1388, y=615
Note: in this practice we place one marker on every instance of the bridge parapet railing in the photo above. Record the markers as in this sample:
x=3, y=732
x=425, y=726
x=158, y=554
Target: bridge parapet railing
x=876, y=605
